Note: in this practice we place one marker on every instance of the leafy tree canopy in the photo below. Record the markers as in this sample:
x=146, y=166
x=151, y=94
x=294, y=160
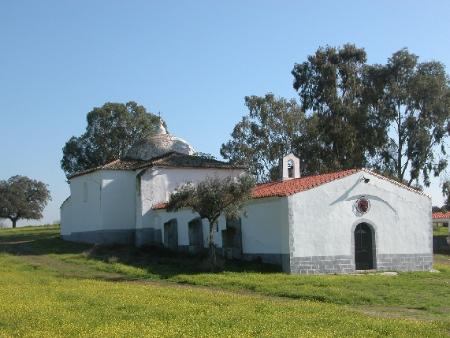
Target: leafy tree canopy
x=393, y=117
x=211, y=198
x=110, y=132
x=415, y=101
x=331, y=86
x=267, y=133
x=22, y=198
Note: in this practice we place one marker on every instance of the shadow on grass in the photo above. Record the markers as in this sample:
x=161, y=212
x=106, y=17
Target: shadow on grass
x=154, y=260
x=37, y=241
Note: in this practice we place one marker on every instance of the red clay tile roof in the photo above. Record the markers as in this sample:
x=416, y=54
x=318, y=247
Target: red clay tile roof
x=293, y=186
x=289, y=187
x=441, y=215
x=158, y=206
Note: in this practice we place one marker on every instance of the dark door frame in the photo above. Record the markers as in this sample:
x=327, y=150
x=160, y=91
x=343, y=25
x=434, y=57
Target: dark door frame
x=195, y=234
x=371, y=257
x=171, y=234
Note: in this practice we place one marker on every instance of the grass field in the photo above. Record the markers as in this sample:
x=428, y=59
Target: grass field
x=440, y=231
x=49, y=287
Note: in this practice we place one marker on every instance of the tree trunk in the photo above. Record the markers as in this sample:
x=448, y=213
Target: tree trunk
x=212, y=246
x=400, y=145
x=14, y=222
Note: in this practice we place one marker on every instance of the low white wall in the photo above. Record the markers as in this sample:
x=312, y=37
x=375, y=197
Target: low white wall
x=322, y=220
x=183, y=217
x=441, y=220
x=264, y=227
x=156, y=185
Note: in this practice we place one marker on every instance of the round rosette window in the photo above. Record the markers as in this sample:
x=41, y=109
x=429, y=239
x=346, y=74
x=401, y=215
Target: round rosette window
x=362, y=205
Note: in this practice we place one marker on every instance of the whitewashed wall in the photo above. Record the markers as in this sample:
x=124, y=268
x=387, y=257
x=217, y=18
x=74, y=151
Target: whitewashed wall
x=322, y=220
x=157, y=184
x=101, y=200
x=82, y=210
x=183, y=217
x=265, y=228
x=118, y=199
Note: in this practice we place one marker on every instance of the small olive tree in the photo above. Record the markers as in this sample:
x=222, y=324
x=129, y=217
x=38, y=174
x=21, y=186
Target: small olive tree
x=22, y=198
x=212, y=198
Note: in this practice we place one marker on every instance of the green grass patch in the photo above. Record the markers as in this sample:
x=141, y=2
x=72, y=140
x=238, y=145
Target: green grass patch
x=440, y=231
x=36, y=303
x=53, y=287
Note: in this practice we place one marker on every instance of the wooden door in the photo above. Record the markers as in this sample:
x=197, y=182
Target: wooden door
x=363, y=247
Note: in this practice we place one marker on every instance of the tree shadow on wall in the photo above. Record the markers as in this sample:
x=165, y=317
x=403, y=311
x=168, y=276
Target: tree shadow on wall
x=37, y=241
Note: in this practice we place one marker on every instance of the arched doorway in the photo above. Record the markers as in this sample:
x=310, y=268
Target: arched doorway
x=195, y=233
x=364, y=247
x=232, y=238
x=171, y=234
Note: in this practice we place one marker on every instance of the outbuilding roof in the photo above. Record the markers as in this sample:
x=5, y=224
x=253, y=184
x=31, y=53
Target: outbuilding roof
x=296, y=185
x=441, y=215
x=171, y=159
x=293, y=186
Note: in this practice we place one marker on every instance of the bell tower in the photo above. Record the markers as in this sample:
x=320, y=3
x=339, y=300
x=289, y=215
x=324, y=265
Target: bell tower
x=290, y=167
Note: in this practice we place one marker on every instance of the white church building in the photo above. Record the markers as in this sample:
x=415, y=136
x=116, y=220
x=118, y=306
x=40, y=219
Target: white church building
x=331, y=223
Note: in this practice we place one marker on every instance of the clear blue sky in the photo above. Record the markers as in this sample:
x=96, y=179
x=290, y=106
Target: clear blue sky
x=192, y=61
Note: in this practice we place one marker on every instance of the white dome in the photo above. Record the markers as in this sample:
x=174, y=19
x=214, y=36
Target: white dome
x=157, y=145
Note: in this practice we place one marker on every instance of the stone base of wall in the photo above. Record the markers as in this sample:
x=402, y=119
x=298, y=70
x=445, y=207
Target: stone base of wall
x=322, y=264
x=148, y=237
x=104, y=237
x=345, y=264
x=405, y=262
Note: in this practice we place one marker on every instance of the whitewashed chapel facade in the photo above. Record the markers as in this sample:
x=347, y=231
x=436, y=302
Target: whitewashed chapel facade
x=331, y=223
